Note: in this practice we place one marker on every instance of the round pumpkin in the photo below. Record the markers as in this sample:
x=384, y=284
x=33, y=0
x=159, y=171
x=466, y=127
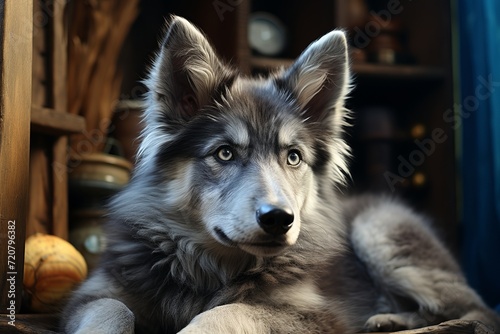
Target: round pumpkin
x=52, y=268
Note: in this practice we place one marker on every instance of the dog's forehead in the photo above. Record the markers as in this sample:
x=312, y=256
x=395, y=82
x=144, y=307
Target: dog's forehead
x=263, y=95
x=257, y=109
x=262, y=98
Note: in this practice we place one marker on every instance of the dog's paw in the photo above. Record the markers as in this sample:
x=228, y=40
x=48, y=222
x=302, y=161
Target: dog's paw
x=387, y=323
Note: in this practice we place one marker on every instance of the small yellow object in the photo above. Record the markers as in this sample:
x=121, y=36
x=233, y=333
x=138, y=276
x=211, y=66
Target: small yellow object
x=52, y=268
x=419, y=179
x=418, y=131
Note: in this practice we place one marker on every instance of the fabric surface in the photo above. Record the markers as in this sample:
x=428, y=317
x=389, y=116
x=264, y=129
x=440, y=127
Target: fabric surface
x=479, y=37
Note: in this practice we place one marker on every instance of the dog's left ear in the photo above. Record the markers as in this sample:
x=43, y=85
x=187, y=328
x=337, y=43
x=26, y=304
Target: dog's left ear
x=319, y=78
x=185, y=73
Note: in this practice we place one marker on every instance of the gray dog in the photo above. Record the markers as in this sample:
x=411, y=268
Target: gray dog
x=232, y=222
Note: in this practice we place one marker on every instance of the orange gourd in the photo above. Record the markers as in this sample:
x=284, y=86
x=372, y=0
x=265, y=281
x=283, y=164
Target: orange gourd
x=52, y=268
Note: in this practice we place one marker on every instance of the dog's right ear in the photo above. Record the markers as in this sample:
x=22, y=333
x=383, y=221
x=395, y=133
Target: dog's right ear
x=319, y=78
x=185, y=73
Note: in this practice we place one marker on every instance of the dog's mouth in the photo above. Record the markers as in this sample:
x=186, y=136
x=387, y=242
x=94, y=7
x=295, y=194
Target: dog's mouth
x=271, y=246
x=224, y=238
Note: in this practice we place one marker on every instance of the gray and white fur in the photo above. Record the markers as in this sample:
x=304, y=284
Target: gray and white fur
x=233, y=222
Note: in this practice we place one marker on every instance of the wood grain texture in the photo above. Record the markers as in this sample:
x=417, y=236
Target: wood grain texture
x=42, y=122
x=50, y=122
x=95, y=35
x=242, y=47
x=15, y=108
x=60, y=148
x=55, y=122
x=60, y=186
x=40, y=195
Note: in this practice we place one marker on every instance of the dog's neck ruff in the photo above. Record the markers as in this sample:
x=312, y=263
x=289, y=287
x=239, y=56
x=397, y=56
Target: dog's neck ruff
x=210, y=268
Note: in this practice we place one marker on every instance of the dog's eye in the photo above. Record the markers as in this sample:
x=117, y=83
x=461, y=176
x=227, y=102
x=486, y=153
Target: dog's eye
x=294, y=158
x=224, y=153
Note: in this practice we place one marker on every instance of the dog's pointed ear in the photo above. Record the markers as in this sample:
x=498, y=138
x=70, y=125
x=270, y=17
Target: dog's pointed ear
x=319, y=78
x=186, y=71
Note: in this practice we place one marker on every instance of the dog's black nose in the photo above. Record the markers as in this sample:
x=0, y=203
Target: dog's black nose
x=275, y=220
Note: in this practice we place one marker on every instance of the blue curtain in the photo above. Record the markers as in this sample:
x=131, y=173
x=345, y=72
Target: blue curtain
x=479, y=120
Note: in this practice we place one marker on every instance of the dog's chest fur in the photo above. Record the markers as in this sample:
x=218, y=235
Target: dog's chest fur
x=177, y=293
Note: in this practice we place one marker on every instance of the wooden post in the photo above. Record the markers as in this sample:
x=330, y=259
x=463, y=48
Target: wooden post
x=243, y=53
x=16, y=25
x=50, y=122
x=59, y=151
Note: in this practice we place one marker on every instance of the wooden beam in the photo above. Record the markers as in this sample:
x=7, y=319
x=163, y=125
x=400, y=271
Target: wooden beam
x=54, y=122
x=242, y=48
x=60, y=186
x=16, y=46
x=60, y=148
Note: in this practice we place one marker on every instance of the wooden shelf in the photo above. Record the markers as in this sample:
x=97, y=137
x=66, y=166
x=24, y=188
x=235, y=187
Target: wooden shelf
x=53, y=122
x=266, y=63
x=406, y=72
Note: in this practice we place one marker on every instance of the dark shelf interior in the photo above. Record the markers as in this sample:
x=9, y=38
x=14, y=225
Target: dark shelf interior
x=416, y=91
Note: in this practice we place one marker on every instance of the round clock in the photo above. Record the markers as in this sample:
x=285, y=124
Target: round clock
x=266, y=34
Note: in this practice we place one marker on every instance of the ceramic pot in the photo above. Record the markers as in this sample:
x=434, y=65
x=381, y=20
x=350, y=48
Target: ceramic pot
x=93, y=178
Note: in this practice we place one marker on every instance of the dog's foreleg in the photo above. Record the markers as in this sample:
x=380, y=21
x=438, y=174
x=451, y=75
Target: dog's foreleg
x=240, y=318
x=227, y=319
x=94, y=308
x=405, y=259
x=104, y=315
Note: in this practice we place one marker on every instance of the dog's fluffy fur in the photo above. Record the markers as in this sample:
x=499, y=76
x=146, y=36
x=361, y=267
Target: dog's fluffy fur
x=232, y=222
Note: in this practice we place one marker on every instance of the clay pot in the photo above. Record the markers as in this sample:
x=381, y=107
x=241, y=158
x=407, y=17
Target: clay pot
x=93, y=178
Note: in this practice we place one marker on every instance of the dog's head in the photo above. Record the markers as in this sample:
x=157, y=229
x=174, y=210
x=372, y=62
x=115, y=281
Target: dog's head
x=242, y=160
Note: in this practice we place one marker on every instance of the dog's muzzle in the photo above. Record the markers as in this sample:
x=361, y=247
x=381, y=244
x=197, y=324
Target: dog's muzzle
x=275, y=220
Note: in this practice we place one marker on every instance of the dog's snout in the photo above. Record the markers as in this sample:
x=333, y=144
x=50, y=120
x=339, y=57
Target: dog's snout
x=275, y=220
